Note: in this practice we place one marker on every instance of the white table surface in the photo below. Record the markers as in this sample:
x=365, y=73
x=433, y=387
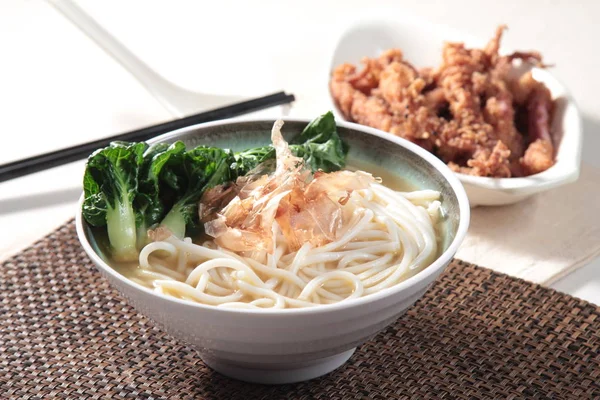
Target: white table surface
x=57, y=88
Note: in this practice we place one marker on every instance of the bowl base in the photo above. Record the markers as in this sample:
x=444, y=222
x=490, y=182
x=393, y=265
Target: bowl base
x=288, y=373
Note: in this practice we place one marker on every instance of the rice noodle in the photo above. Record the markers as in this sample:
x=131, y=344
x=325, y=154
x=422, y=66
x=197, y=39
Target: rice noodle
x=293, y=239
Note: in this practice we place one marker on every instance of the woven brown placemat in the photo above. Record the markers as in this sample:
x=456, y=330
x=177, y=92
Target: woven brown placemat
x=65, y=333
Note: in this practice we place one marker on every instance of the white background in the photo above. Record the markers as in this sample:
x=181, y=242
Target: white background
x=57, y=88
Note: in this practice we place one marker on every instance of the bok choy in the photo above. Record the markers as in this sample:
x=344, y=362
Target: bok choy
x=130, y=188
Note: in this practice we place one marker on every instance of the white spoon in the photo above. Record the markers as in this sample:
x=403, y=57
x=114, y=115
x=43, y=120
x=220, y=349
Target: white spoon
x=176, y=100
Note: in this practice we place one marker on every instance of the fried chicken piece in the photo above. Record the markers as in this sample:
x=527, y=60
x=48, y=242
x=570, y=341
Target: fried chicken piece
x=539, y=107
x=460, y=139
x=536, y=100
x=493, y=46
x=456, y=78
x=523, y=87
x=372, y=111
x=501, y=95
x=341, y=90
x=401, y=87
x=492, y=164
x=485, y=163
x=368, y=78
x=396, y=106
x=346, y=80
x=504, y=63
x=460, y=76
x=539, y=156
x=500, y=114
x=481, y=104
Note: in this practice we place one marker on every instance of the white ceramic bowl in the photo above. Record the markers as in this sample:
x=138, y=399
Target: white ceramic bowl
x=269, y=346
x=422, y=42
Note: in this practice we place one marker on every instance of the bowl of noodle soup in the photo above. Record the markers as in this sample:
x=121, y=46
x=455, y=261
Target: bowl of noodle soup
x=288, y=306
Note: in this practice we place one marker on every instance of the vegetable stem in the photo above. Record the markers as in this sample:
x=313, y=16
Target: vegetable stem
x=175, y=221
x=120, y=224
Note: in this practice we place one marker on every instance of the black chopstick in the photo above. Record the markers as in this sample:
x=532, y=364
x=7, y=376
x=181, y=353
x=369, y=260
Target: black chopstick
x=41, y=162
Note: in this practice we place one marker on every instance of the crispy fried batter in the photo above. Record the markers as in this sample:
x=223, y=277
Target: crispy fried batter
x=494, y=163
x=539, y=156
x=463, y=111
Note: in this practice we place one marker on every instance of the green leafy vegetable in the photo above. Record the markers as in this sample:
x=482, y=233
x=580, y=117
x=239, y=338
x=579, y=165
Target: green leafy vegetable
x=319, y=144
x=110, y=187
x=131, y=187
x=247, y=160
x=151, y=199
x=200, y=169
